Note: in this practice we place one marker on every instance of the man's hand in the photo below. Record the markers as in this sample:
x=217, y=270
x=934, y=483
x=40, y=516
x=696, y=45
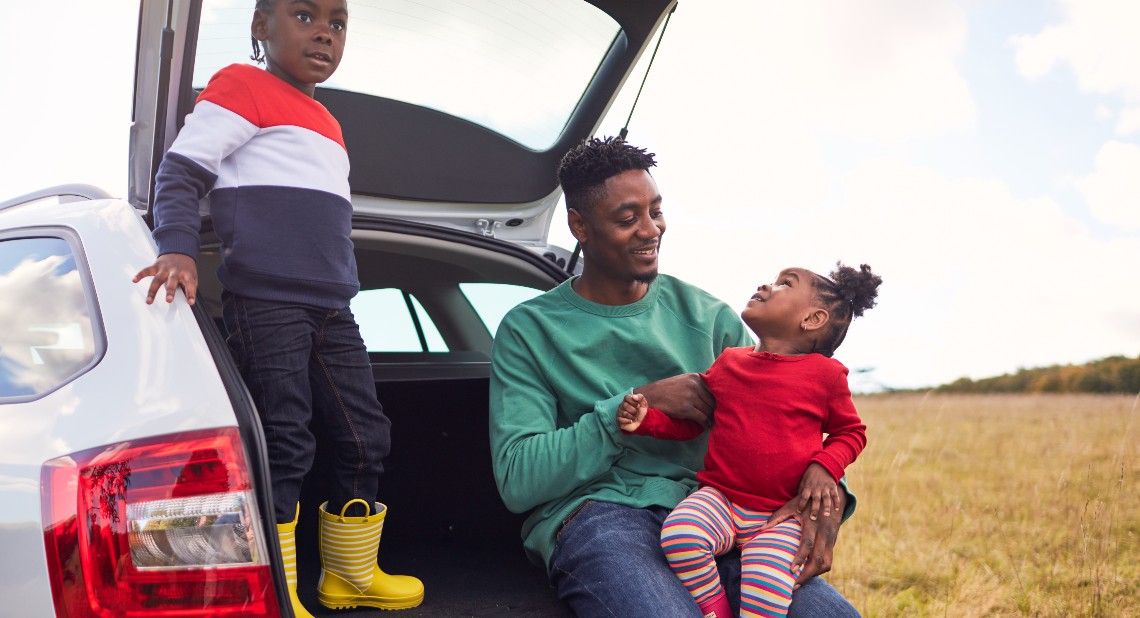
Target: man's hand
x=172, y=270
x=631, y=412
x=819, y=533
x=685, y=397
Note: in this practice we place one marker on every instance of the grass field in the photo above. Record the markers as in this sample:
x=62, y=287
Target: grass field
x=995, y=505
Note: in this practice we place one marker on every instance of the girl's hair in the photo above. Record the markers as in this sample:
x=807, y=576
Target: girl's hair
x=258, y=55
x=846, y=294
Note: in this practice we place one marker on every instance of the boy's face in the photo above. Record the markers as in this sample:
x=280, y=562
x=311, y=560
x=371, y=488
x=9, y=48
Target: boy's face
x=303, y=39
x=778, y=309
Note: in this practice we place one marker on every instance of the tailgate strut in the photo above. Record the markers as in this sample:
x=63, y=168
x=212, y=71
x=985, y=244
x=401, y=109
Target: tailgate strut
x=625, y=129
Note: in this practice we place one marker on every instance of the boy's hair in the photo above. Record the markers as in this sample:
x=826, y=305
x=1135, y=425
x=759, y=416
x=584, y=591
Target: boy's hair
x=584, y=170
x=846, y=294
x=258, y=55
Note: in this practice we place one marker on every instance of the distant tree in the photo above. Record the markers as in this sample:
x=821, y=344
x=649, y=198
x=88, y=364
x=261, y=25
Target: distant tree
x=1114, y=374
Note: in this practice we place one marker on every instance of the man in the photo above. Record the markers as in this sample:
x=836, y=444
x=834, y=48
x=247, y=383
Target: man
x=562, y=364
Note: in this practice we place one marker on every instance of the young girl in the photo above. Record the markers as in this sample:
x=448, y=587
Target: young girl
x=774, y=403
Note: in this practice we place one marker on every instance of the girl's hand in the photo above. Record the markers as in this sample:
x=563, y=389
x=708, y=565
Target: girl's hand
x=631, y=412
x=817, y=489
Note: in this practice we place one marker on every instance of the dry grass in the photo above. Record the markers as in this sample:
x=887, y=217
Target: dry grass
x=995, y=505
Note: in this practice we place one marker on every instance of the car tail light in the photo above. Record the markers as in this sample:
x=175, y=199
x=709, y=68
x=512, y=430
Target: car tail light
x=164, y=526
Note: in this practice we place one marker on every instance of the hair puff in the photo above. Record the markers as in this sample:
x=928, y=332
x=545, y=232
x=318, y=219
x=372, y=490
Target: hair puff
x=857, y=287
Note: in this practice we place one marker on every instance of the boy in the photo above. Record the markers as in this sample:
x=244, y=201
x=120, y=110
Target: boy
x=273, y=162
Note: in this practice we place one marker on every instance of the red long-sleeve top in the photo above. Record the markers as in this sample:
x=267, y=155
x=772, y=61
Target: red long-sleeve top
x=771, y=413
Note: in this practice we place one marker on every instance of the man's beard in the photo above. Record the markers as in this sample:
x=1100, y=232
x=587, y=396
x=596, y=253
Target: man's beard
x=646, y=277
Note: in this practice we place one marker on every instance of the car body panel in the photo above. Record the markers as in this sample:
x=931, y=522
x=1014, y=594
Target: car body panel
x=156, y=377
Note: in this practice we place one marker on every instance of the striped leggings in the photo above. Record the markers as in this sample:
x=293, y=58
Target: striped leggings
x=706, y=525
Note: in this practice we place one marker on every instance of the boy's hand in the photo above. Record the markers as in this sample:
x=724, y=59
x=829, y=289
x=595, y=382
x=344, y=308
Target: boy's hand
x=632, y=411
x=173, y=270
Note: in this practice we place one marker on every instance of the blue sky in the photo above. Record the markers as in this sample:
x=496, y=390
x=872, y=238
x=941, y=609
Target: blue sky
x=984, y=157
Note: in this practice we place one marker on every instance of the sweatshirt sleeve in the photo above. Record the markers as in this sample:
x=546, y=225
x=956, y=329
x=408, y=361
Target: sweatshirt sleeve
x=729, y=331
x=533, y=459
x=224, y=118
x=846, y=433
x=659, y=425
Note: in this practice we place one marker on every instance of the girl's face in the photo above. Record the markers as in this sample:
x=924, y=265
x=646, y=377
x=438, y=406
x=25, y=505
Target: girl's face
x=780, y=309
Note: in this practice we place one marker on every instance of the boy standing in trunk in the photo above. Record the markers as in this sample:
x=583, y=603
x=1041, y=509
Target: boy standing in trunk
x=272, y=160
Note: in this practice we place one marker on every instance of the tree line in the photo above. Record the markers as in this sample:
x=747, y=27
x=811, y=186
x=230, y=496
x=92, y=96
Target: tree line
x=1114, y=374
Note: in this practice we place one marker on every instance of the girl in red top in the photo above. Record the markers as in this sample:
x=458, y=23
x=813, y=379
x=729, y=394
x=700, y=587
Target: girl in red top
x=774, y=403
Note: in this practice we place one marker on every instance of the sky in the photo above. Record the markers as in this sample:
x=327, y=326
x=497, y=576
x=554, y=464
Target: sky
x=982, y=157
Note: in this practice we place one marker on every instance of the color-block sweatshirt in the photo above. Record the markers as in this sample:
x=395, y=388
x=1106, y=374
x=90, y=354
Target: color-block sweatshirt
x=273, y=163
x=560, y=366
x=771, y=413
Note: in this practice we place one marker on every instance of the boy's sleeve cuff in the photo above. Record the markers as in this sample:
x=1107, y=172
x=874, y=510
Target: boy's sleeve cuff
x=176, y=241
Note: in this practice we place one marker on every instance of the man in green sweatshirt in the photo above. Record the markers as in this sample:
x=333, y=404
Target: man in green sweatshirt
x=562, y=363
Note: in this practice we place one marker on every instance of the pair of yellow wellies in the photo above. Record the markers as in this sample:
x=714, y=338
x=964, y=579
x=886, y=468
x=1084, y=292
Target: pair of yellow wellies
x=350, y=576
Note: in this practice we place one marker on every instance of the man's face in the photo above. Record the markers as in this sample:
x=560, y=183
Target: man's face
x=621, y=232
x=304, y=39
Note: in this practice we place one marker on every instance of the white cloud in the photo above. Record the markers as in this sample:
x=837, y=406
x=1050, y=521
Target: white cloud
x=49, y=317
x=1097, y=40
x=1129, y=121
x=1112, y=190
x=67, y=96
x=882, y=71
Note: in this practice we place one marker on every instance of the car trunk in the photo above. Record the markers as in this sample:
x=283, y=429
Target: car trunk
x=447, y=524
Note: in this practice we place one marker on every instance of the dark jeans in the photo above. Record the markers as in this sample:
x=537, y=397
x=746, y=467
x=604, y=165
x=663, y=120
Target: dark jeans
x=297, y=361
x=608, y=562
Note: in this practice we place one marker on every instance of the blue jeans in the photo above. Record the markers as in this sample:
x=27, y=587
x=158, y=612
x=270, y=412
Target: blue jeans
x=297, y=361
x=608, y=561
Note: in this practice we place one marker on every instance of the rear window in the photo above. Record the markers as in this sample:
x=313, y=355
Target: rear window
x=492, y=301
x=393, y=320
x=48, y=335
x=518, y=68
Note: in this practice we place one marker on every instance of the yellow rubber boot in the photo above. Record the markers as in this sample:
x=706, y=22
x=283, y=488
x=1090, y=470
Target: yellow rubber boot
x=287, y=538
x=350, y=575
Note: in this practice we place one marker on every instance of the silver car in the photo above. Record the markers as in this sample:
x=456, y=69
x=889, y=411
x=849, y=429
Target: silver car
x=133, y=479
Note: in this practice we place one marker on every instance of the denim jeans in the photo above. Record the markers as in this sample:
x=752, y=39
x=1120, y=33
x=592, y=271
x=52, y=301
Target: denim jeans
x=297, y=361
x=608, y=561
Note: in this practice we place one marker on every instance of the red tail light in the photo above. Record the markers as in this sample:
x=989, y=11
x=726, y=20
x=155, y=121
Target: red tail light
x=165, y=527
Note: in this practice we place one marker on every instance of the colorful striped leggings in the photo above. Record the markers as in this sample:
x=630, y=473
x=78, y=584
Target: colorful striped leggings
x=706, y=525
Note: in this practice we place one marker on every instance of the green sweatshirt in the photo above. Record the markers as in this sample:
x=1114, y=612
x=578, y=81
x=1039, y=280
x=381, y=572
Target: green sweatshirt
x=561, y=365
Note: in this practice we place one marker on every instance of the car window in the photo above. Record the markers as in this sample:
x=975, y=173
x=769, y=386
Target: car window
x=388, y=325
x=48, y=335
x=492, y=301
x=518, y=68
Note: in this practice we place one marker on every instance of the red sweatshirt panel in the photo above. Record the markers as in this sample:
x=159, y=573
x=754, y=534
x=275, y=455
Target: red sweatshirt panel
x=266, y=100
x=772, y=412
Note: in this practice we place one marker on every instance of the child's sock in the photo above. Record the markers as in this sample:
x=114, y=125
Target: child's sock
x=716, y=607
